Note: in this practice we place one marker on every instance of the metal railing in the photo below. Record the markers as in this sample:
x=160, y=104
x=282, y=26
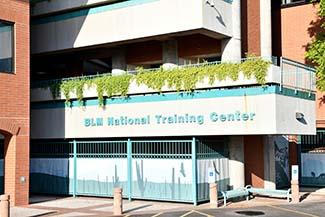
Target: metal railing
x=293, y=74
x=47, y=83
x=297, y=75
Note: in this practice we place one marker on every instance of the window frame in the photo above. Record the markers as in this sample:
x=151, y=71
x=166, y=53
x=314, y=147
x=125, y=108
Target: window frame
x=13, y=47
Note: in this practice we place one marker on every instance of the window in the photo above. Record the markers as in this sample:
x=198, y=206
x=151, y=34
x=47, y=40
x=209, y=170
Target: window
x=6, y=47
x=285, y=2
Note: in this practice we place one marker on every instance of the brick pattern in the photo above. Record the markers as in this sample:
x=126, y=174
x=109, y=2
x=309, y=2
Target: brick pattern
x=250, y=22
x=14, y=106
x=254, y=161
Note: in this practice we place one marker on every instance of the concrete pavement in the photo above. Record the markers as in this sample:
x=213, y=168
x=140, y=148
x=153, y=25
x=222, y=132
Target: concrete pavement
x=313, y=205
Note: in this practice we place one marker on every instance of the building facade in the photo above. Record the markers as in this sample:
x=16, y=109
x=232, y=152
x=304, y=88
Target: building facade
x=151, y=95
x=299, y=23
x=14, y=97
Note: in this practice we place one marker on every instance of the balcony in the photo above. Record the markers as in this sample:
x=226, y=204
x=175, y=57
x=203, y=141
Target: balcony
x=288, y=75
x=124, y=21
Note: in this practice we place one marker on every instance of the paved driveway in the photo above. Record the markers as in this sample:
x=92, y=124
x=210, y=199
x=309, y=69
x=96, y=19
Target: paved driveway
x=316, y=209
x=312, y=206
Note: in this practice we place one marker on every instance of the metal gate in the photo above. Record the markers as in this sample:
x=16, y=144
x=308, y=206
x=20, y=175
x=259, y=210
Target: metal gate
x=312, y=159
x=172, y=170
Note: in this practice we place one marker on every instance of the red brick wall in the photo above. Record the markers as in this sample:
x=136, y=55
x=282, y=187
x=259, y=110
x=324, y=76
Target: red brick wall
x=250, y=22
x=150, y=51
x=254, y=161
x=14, y=106
x=197, y=45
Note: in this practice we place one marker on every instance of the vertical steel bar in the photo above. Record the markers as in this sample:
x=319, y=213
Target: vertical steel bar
x=129, y=159
x=194, y=172
x=74, y=168
x=281, y=74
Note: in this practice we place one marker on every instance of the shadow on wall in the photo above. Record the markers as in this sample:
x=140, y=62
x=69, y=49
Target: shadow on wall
x=41, y=34
x=313, y=30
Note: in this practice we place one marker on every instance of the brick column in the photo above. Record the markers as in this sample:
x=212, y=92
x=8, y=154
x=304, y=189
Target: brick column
x=16, y=169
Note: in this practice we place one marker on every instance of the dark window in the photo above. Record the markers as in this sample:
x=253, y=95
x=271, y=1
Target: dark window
x=287, y=2
x=6, y=47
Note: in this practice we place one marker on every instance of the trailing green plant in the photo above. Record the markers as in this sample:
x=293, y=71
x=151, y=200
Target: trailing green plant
x=183, y=78
x=111, y=86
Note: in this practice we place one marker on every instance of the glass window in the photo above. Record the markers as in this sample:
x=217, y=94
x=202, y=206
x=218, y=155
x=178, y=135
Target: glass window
x=6, y=47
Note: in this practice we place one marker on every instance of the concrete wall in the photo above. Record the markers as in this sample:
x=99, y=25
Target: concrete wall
x=55, y=121
x=14, y=106
x=128, y=20
x=236, y=162
x=50, y=6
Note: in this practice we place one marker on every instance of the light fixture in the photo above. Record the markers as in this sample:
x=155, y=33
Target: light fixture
x=210, y=2
x=299, y=115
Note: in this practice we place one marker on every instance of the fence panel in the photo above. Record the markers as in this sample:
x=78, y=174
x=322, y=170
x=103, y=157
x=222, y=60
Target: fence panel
x=313, y=159
x=162, y=170
x=101, y=166
x=51, y=168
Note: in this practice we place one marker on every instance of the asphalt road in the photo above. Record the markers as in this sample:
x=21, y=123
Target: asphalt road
x=316, y=209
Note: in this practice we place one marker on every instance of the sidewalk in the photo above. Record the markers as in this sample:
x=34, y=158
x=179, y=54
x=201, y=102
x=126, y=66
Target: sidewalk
x=90, y=206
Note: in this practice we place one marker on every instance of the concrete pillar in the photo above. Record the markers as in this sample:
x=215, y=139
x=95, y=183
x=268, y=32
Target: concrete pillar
x=118, y=62
x=213, y=195
x=269, y=163
x=266, y=28
x=117, y=203
x=231, y=48
x=236, y=162
x=4, y=205
x=295, y=191
x=170, y=52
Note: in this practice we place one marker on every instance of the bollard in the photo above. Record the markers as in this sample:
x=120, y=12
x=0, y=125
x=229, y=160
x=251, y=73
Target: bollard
x=4, y=205
x=213, y=195
x=118, y=206
x=295, y=191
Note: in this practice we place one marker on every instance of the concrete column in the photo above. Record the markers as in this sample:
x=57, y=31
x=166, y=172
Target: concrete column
x=118, y=62
x=231, y=48
x=213, y=195
x=266, y=28
x=295, y=191
x=170, y=52
x=269, y=163
x=236, y=162
x=117, y=203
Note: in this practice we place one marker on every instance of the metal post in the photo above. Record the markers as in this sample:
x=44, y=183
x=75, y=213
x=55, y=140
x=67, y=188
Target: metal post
x=74, y=168
x=129, y=159
x=297, y=74
x=281, y=75
x=194, y=172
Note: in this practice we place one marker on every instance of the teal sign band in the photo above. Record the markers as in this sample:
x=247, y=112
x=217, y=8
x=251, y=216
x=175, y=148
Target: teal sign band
x=205, y=94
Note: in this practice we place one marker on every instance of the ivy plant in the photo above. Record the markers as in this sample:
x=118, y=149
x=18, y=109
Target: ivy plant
x=183, y=78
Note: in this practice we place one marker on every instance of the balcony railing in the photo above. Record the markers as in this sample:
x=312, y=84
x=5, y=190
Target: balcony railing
x=285, y=73
x=296, y=75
